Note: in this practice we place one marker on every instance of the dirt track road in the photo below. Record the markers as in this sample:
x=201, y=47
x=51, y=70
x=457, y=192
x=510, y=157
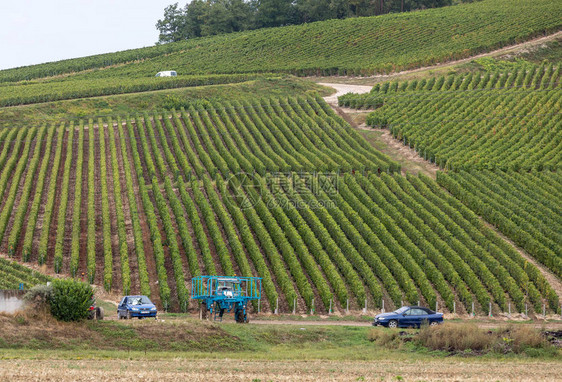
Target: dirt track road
x=548, y=325
x=342, y=89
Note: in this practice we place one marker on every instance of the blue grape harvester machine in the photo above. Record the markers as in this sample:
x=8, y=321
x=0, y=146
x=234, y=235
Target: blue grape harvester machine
x=220, y=294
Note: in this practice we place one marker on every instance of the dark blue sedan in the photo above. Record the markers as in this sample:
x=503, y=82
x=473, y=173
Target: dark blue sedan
x=408, y=316
x=136, y=306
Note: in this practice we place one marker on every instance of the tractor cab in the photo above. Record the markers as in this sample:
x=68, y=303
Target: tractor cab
x=228, y=287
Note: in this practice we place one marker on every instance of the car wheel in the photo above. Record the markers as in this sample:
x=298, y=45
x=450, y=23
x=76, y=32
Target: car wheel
x=434, y=323
x=129, y=316
x=99, y=313
x=393, y=324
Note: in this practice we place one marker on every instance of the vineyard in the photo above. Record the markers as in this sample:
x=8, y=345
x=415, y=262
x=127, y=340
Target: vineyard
x=335, y=47
x=35, y=92
x=523, y=206
x=280, y=188
x=496, y=135
x=497, y=120
x=12, y=275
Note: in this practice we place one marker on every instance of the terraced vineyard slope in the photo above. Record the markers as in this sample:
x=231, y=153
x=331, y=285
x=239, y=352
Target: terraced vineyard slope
x=30, y=92
x=504, y=120
x=524, y=206
x=13, y=274
x=280, y=188
x=497, y=135
x=355, y=46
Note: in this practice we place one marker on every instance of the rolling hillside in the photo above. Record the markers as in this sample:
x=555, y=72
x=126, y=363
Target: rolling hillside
x=281, y=188
x=498, y=137
x=502, y=119
x=357, y=46
x=245, y=172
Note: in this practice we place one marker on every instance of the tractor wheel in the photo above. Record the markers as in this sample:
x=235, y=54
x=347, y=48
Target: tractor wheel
x=239, y=316
x=99, y=313
x=204, y=312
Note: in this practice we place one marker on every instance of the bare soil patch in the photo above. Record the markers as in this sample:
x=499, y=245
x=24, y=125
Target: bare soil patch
x=130, y=237
x=147, y=243
x=44, y=195
x=67, y=234
x=408, y=158
x=98, y=209
x=55, y=211
x=342, y=89
x=117, y=283
x=82, y=259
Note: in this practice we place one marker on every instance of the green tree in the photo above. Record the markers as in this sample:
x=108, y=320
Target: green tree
x=226, y=16
x=275, y=13
x=173, y=26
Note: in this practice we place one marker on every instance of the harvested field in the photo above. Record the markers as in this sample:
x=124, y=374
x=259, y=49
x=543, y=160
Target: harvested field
x=242, y=370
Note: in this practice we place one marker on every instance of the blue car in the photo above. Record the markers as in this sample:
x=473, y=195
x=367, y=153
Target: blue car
x=408, y=316
x=136, y=306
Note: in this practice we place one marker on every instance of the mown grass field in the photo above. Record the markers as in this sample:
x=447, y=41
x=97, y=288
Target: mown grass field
x=176, y=350
x=243, y=370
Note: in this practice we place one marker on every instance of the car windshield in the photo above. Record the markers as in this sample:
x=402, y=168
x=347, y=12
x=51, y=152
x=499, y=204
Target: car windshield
x=401, y=310
x=139, y=300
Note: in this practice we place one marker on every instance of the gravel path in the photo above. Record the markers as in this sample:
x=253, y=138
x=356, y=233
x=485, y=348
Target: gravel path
x=552, y=325
x=342, y=89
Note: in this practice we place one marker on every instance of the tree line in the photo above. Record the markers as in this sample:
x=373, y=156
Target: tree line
x=211, y=17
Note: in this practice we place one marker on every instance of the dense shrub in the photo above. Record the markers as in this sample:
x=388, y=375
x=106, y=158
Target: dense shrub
x=38, y=296
x=70, y=300
x=455, y=338
x=468, y=337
